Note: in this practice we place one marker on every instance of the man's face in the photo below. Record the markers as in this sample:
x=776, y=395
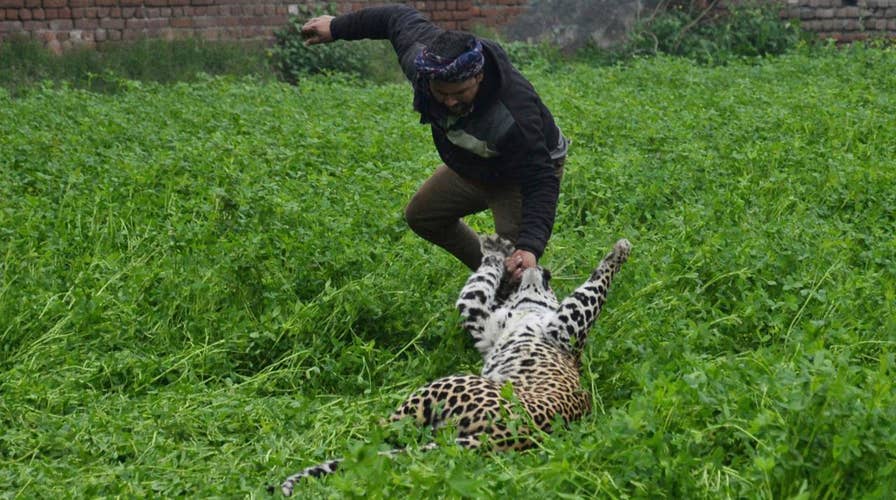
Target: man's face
x=456, y=96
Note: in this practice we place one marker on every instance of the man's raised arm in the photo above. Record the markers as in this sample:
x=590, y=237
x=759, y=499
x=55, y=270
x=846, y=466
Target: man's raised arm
x=403, y=26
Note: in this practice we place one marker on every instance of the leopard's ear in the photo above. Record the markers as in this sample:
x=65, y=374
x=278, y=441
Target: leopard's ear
x=546, y=277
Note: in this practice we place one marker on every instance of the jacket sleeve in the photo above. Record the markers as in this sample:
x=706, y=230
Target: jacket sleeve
x=404, y=27
x=539, y=185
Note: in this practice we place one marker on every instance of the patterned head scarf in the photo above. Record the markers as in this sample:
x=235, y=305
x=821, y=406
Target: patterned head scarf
x=433, y=67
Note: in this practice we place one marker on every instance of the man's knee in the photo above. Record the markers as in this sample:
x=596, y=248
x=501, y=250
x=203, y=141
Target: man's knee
x=417, y=218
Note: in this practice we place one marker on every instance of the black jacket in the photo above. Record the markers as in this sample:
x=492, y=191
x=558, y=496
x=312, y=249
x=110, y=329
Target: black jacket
x=509, y=137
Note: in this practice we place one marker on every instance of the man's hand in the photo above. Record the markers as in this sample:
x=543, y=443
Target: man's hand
x=317, y=30
x=518, y=262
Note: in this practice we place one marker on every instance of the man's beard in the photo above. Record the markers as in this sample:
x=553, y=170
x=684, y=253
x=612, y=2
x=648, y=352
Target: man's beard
x=462, y=109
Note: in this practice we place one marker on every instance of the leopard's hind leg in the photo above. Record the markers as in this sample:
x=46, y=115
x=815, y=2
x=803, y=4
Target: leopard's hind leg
x=474, y=406
x=472, y=403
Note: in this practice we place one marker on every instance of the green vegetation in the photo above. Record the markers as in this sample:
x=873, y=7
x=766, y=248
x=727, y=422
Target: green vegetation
x=292, y=60
x=206, y=286
x=24, y=63
x=690, y=29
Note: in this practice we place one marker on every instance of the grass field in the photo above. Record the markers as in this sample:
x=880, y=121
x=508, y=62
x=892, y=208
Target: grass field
x=207, y=286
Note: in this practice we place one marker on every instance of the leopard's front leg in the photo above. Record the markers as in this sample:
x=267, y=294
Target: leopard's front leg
x=580, y=309
x=479, y=292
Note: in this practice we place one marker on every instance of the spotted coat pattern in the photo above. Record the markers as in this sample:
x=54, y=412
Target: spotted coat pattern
x=531, y=345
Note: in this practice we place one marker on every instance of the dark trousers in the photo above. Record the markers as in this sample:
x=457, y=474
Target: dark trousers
x=436, y=209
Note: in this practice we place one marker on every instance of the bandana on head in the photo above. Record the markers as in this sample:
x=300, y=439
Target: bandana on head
x=433, y=67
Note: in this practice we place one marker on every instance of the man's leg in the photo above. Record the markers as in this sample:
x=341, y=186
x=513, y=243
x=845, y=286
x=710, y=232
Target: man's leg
x=436, y=209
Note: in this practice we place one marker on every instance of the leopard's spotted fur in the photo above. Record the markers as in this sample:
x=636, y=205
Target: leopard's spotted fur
x=531, y=345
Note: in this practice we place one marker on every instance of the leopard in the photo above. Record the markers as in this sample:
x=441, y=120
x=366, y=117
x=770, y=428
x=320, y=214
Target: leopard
x=531, y=344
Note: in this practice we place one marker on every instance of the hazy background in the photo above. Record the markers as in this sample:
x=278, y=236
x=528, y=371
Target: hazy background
x=572, y=23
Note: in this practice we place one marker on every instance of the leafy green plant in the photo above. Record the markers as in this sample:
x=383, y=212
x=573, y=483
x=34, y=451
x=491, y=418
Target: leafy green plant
x=748, y=29
x=293, y=60
x=530, y=55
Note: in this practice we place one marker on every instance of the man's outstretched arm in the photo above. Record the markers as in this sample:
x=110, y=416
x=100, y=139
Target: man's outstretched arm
x=403, y=26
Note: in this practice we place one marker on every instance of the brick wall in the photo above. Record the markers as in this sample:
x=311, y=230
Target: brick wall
x=61, y=24
x=493, y=13
x=845, y=20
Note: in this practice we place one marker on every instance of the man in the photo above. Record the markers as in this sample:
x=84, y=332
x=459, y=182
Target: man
x=499, y=143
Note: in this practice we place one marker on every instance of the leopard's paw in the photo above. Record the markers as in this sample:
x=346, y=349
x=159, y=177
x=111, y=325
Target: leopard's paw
x=496, y=245
x=621, y=249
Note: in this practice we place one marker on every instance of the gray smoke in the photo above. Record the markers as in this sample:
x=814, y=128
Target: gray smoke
x=570, y=24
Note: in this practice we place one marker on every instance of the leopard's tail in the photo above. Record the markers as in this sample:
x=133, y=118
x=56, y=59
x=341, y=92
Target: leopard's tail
x=288, y=485
x=329, y=467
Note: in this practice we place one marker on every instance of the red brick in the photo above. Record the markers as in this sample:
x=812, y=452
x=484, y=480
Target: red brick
x=212, y=34
x=204, y=22
x=54, y=3
x=112, y=24
x=158, y=24
x=272, y=21
x=35, y=25
x=181, y=22
x=78, y=3
x=61, y=24
x=155, y=3
x=10, y=26
x=87, y=23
